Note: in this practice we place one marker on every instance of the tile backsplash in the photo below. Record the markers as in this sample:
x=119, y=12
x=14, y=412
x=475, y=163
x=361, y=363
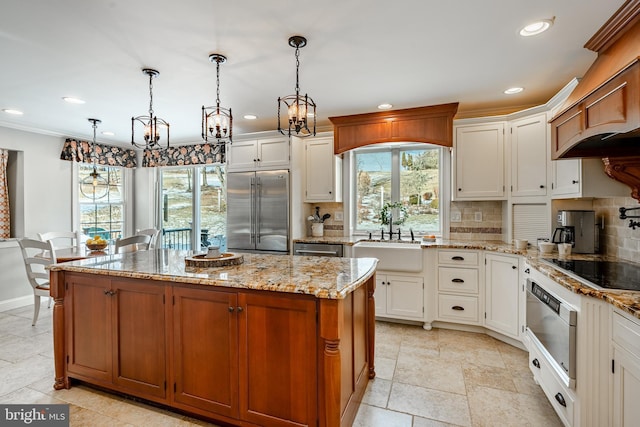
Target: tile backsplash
x=617, y=238
x=332, y=227
x=478, y=221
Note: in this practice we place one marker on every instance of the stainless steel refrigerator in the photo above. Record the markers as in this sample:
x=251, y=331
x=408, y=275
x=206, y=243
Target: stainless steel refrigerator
x=258, y=211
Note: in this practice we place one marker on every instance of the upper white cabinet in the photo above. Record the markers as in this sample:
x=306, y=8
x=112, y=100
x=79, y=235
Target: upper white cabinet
x=479, y=162
x=529, y=156
x=573, y=178
x=323, y=171
x=502, y=294
x=258, y=154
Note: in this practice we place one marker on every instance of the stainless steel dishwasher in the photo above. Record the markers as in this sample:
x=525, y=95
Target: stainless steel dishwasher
x=318, y=249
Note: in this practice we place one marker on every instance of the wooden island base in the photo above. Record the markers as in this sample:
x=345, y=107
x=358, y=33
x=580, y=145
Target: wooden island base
x=239, y=356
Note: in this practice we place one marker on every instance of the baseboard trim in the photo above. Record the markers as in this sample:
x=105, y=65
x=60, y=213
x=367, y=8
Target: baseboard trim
x=10, y=304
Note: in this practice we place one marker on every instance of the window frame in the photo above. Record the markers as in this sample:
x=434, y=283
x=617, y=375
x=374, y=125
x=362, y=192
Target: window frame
x=350, y=184
x=127, y=197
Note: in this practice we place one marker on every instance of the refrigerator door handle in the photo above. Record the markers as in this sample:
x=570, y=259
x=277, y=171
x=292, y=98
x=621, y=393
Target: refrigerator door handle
x=252, y=210
x=259, y=202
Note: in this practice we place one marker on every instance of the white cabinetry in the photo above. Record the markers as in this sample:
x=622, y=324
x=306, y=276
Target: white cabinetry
x=573, y=178
x=479, y=162
x=502, y=294
x=258, y=154
x=323, y=171
x=459, y=286
x=626, y=370
x=529, y=156
x=399, y=296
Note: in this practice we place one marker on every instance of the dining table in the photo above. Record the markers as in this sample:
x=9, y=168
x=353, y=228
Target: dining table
x=78, y=252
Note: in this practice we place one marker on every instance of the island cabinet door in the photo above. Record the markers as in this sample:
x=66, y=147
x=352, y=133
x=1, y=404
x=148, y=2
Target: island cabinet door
x=139, y=341
x=88, y=324
x=278, y=374
x=205, y=351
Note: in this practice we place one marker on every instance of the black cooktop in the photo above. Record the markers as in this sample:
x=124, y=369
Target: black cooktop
x=603, y=274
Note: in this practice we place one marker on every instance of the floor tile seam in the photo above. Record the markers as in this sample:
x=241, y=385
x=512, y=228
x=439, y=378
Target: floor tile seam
x=394, y=381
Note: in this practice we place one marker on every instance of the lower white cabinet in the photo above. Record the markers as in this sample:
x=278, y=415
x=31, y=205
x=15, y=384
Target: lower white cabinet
x=399, y=296
x=502, y=294
x=459, y=287
x=626, y=370
x=560, y=396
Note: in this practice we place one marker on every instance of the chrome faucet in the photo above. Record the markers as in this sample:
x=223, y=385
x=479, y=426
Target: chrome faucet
x=390, y=226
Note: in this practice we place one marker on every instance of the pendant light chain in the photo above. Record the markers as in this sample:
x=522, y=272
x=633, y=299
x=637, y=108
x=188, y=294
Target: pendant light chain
x=218, y=84
x=94, y=154
x=150, y=95
x=297, y=70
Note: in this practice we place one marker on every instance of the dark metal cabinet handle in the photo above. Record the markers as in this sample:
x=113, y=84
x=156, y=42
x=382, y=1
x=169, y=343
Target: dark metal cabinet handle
x=240, y=309
x=560, y=398
x=459, y=189
x=457, y=308
x=574, y=181
x=109, y=292
x=514, y=267
x=527, y=271
x=106, y=291
x=536, y=363
x=457, y=280
x=231, y=309
x=258, y=159
x=542, y=186
x=457, y=258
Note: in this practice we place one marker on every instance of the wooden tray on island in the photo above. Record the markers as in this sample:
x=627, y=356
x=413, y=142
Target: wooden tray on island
x=224, y=260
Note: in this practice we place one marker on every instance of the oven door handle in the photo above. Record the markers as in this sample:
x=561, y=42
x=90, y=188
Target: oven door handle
x=307, y=251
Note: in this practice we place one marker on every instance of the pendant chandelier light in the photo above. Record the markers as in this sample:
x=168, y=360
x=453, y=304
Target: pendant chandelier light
x=150, y=123
x=217, y=122
x=299, y=108
x=94, y=186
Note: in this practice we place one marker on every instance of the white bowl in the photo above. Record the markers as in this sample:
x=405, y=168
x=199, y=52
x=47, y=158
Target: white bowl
x=546, y=247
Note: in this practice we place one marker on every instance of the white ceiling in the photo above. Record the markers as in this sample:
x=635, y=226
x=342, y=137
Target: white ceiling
x=360, y=53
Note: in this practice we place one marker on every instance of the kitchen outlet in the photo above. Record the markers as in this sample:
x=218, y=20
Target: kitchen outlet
x=477, y=216
x=338, y=215
x=456, y=217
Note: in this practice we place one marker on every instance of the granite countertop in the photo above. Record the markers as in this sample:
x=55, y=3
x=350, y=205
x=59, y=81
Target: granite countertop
x=322, y=277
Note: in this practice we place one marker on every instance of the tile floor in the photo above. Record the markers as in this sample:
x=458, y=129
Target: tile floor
x=424, y=379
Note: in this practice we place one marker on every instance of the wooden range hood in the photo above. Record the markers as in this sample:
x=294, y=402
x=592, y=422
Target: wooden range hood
x=601, y=117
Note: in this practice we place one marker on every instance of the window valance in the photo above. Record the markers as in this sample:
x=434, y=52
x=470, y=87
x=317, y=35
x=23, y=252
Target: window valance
x=199, y=154
x=82, y=151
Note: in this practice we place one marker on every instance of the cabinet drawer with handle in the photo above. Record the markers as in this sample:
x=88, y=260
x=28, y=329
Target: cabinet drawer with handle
x=458, y=279
x=458, y=257
x=458, y=308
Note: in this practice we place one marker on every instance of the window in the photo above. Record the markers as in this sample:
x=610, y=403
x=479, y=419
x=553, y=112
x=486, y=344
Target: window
x=104, y=216
x=194, y=207
x=409, y=174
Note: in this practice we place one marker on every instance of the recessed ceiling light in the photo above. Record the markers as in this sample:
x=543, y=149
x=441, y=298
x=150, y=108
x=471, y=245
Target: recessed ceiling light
x=536, y=27
x=108, y=133
x=14, y=112
x=72, y=100
x=385, y=107
x=513, y=90
x=250, y=116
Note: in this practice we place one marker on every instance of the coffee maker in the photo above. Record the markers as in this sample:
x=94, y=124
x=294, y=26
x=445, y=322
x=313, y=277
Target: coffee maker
x=577, y=228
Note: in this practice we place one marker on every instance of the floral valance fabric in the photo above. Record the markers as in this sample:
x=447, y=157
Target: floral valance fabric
x=199, y=154
x=82, y=151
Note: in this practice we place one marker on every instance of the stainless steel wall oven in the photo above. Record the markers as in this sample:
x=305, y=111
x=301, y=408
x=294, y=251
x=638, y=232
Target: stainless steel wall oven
x=552, y=323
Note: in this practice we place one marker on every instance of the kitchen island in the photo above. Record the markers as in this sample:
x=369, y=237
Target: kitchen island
x=276, y=341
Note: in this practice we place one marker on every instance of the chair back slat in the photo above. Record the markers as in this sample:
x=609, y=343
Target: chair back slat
x=133, y=243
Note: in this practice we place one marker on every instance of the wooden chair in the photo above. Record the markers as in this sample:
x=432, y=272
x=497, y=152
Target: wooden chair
x=154, y=233
x=36, y=273
x=133, y=243
x=72, y=238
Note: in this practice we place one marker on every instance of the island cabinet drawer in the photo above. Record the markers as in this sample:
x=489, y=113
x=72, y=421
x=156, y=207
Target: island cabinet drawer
x=458, y=279
x=626, y=333
x=458, y=308
x=458, y=257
